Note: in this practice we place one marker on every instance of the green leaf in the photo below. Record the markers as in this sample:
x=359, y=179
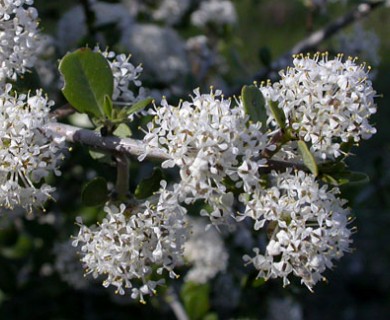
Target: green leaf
x=328, y=179
x=122, y=131
x=88, y=80
x=358, y=177
x=258, y=282
x=332, y=167
x=107, y=106
x=308, y=158
x=278, y=114
x=148, y=186
x=196, y=299
x=95, y=192
x=346, y=177
x=254, y=105
x=140, y=105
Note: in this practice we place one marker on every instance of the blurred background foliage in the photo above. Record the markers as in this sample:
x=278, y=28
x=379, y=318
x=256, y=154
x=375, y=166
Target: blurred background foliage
x=31, y=285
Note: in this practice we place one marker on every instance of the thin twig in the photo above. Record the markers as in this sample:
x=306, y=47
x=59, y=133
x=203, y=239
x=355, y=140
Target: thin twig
x=95, y=140
x=135, y=148
x=173, y=300
x=317, y=37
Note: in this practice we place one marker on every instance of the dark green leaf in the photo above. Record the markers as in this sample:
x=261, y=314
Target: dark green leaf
x=254, y=105
x=196, y=299
x=308, y=158
x=88, y=80
x=140, y=105
x=95, y=192
x=328, y=179
x=278, y=114
x=258, y=282
x=148, y=186
x=346, y=177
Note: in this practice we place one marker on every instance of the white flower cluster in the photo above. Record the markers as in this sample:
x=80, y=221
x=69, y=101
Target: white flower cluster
x=131, y=242
x=215, y=12
x=19, y=37
x=126, y=77
x=210, y=141
x=26, y=154
x=325, y=102
x=308, y=227
x=206, y=251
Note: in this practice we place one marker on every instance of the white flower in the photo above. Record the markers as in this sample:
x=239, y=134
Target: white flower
x=307, y=225
x=19, y=37
x=210, y=141
x=206, y=251
x=325, y=101
x=126, y=77
x=216, y=12
x=127, y=245
x=26, y=154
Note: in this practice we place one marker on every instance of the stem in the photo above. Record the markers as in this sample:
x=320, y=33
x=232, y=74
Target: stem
x=122, y=175
x=135, y=148
x=173, y=300
x=95, y=140
x=315, y=38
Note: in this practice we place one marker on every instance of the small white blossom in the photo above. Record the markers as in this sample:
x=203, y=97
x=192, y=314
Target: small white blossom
x=210, y=141
x=19, y=37
x=126, y=77
x=325, y=101
x=307, y=226
x=26, y=154
x=214, y=12
x=206, y=251
x=129, y=242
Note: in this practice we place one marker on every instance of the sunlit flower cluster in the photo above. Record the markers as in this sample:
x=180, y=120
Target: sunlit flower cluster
x=126, y=77
x=210, y=141
x=307, y=226
x=325, y=101
x=130, y=242
x=19, y=37
x=27, y=154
